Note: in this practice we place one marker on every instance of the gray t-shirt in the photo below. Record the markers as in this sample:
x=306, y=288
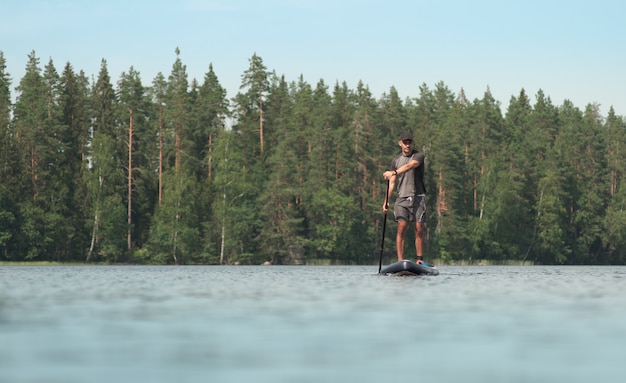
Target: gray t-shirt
x=411, y=183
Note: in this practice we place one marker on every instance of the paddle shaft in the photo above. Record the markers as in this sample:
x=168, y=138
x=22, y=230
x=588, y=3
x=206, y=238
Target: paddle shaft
x=382, y=241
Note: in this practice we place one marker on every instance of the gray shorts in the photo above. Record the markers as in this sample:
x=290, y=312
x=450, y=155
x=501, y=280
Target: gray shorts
x=411, y=209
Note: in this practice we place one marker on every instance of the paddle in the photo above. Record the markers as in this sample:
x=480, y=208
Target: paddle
x=382, y=241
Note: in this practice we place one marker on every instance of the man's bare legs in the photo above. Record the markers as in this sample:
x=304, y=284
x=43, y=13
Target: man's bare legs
x=402, y=226
x=419, y=239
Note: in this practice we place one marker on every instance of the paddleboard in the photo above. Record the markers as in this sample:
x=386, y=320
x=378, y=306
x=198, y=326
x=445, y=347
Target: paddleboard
x=406, y=267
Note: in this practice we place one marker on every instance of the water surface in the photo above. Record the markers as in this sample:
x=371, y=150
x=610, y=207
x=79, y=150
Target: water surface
x=311, y=324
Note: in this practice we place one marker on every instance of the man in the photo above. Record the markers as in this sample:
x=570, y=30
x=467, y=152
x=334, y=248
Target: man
x=407, y=172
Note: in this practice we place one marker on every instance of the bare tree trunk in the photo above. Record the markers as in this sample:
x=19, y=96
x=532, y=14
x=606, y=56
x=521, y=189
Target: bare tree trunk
x=174, y=255
x=34, y=177
x=130, y=179
x=93, y=237
x=160, y=153
x=178, y=145
x=261, y=123
x=210, y=158
x=96, y=222
x=223, y=237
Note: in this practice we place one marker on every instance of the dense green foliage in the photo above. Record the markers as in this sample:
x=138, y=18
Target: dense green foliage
x=287, y=172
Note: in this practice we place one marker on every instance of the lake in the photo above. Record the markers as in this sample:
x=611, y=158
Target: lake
x=311, y=324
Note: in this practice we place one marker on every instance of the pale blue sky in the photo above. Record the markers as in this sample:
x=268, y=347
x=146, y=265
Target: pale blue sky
x=572, y=50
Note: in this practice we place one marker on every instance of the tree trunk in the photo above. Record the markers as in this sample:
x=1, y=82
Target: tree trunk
x=96, y=222
x=130, y=179
x=261, y=124
x=160, y=153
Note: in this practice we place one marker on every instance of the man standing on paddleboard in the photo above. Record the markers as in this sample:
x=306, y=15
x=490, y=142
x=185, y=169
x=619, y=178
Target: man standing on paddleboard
x=407, y=176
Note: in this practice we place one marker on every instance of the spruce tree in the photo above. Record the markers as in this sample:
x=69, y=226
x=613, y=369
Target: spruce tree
x=9, y=211
x=107, y=176
x=74, y=124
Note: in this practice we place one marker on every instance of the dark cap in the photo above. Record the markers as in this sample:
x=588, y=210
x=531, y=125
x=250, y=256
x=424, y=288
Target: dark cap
x=406, y=136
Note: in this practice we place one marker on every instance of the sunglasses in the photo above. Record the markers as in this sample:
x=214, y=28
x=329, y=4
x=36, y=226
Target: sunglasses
x=407, y=142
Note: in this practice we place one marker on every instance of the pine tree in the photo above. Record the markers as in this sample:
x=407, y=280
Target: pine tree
x=176, y=232
x=177, y=113
x=255, y=81
x=158, y=90
x=29, y=121
x=29, y=116
x=614, y=225
x=135, y=113
x=210, y=113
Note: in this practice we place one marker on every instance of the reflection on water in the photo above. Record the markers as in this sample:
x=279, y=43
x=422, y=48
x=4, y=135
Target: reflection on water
x=311, y=324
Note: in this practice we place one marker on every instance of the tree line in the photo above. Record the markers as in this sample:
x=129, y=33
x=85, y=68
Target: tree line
x=176, y=173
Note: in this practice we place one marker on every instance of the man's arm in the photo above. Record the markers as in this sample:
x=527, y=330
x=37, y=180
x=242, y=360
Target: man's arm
x=390, y=176
x=406, y=167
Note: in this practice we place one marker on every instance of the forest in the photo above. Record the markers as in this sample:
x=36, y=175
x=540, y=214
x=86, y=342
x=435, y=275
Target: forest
x=173, y=172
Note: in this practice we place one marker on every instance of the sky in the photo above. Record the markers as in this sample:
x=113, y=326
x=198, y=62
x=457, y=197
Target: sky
x=571, y=50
